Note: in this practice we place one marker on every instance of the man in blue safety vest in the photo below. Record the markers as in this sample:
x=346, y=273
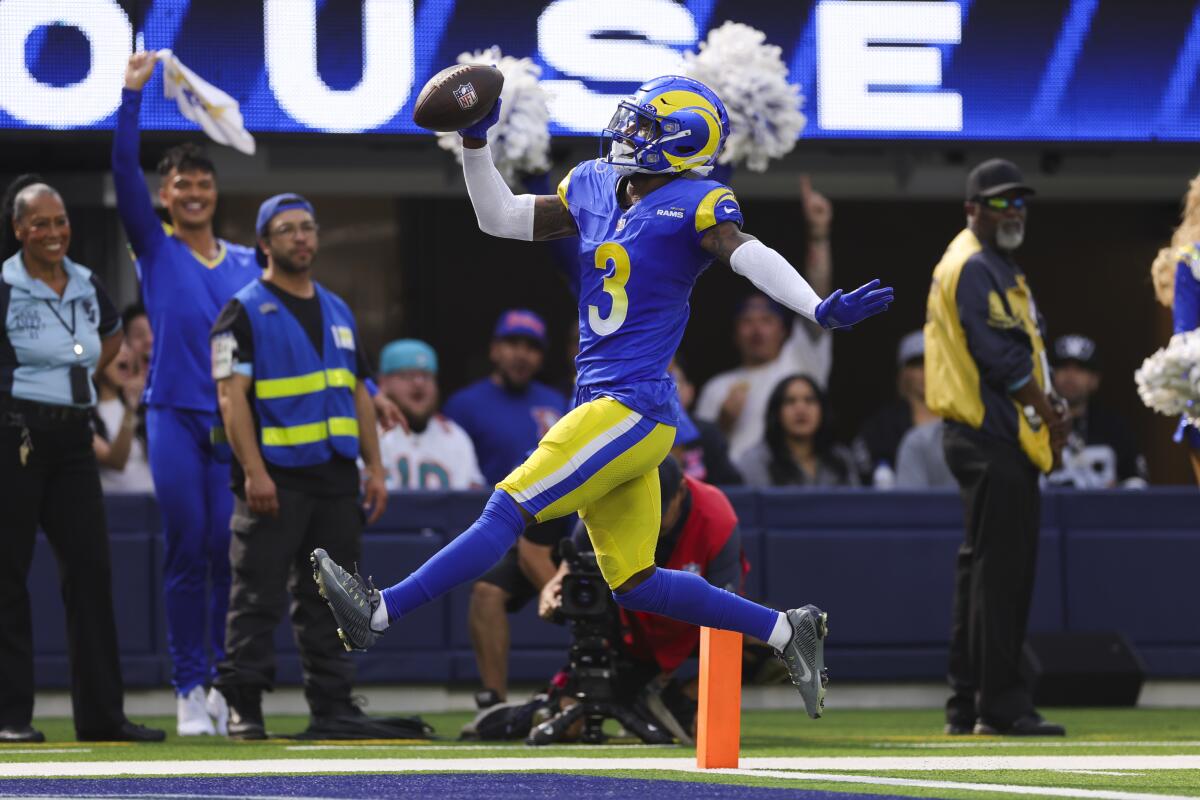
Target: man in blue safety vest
x=290, y=380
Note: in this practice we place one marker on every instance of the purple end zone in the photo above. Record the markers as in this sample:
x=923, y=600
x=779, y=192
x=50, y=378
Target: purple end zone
x=384, y=787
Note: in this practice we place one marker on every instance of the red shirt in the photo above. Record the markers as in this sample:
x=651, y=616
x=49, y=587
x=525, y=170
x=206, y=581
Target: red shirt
x=710, y=522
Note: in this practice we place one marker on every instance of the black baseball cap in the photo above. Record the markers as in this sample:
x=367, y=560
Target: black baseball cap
x=1077, y=348
x=995, y=176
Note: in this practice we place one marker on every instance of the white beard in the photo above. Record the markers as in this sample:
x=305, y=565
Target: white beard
x=1010, y=235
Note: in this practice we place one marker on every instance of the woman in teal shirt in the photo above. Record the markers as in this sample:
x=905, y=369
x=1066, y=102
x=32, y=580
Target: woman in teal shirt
x=59, y=328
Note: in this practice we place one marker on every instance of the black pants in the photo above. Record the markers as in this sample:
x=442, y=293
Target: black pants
x=58, y=488
x=993, y=583
x=269, y=558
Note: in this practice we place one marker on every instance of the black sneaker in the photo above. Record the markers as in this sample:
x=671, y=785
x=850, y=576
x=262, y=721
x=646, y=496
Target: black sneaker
x=1028, y=725
x=804, y=656
x=351, y=599
x=127, y=732
x=245, y=713
x=486, y=698
x=21, y=734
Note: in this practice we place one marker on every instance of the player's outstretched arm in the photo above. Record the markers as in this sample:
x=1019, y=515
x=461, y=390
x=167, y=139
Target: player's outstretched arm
x=499, y=212
x=778, y=279
x=134, y=206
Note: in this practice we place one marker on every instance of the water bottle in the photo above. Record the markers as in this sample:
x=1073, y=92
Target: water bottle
x=884, y=476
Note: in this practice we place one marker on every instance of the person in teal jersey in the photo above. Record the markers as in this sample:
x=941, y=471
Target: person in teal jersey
x=187, y=275
x=649, y=222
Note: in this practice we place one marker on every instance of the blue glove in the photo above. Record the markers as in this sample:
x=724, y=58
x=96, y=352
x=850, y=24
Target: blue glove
x=842, y=310
x=479, y=129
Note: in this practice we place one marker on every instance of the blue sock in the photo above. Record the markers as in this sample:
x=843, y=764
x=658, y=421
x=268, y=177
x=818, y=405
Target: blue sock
x=466, y=558
x=687, y=597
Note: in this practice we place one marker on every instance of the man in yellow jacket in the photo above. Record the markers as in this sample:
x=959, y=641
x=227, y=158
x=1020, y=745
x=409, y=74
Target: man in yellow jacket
x=987, y=375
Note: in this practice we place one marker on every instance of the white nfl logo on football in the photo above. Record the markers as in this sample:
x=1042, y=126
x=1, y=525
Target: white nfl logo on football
x=465, y=95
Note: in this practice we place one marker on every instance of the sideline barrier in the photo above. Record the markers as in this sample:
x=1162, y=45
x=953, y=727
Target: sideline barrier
x=881, y=562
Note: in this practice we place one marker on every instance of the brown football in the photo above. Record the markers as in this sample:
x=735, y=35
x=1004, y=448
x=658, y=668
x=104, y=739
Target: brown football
x=458, y=97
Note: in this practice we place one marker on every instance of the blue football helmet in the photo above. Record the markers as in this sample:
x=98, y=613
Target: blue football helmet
x=671, y=124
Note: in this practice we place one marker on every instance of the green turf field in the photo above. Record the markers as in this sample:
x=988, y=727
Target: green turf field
x=1128, y=751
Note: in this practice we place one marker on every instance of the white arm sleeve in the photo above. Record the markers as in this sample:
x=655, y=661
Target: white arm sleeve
x=498, y=210
x=778, y=279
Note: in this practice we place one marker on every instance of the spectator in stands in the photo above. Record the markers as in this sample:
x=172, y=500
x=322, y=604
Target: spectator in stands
x=699, y=445
x=921, y=460
x=987, y=379
x=119, y=439
x=736, y=399
x=506, y=413
x=699, y=532
x=426, y=450
x=57, y=328
x=138, y=335
x=1100, y=453
x=797, y=448
x=877, y=445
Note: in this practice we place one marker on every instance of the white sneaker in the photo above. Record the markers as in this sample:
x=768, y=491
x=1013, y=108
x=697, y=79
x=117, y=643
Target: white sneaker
x=191, y=714
x=218, y=711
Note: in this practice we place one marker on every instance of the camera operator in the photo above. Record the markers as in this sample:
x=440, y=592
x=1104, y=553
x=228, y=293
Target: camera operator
x=699, y=533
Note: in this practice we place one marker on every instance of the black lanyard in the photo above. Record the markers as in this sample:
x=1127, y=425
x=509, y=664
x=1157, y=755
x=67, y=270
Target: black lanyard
x=54, y=311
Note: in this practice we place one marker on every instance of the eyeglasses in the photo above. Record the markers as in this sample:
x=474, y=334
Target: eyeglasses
x=288, y=229
x=1004, y=203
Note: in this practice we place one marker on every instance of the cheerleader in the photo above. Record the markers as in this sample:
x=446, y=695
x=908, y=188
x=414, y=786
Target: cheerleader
x=1176, y=275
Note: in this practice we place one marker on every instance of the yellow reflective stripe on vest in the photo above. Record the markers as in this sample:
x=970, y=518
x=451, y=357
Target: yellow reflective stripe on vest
x=310, y=433
x=313, y=382
x=343, y=426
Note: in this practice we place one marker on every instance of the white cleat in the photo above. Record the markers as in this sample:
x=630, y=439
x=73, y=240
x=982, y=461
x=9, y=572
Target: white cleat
x=218, y=711
x=191, y=714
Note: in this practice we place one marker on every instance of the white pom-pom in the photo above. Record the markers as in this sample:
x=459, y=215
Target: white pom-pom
x=520, y=141
x=751, y=79
x=1169, y=381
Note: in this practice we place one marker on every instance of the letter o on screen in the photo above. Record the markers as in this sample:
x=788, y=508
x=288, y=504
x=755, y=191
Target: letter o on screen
x=109, y=34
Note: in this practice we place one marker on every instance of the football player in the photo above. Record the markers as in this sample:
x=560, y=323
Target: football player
x=648, y=224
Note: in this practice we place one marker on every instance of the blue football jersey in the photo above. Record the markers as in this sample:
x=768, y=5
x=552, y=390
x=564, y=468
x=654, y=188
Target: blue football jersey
x=636, y=270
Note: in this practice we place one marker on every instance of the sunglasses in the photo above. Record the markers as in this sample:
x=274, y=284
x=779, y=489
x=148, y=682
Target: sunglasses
x=1003, y=203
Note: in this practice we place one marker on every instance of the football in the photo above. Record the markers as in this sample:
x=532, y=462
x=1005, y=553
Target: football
x=458, y=97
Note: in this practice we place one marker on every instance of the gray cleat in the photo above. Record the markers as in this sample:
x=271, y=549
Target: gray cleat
x=351, y=599
x=804, y=656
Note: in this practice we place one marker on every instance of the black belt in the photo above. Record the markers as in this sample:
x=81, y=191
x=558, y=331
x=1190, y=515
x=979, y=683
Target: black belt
x=15, y=412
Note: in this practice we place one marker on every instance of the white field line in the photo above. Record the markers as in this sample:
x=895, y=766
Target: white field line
x=1099, y=772
x=35, y=750
x=1030, y=744
x=998, y=788
x=986, y=763
x=350, y=747
x=563, y=763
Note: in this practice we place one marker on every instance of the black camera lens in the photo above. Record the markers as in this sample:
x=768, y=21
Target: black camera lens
x=584, y=594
